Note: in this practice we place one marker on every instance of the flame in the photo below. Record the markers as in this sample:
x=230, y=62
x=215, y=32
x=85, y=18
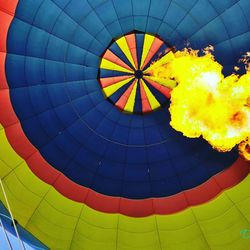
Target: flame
x=205, y=102
x=244, y=149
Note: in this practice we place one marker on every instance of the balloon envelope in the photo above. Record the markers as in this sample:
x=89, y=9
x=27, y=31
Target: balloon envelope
x=89, y=160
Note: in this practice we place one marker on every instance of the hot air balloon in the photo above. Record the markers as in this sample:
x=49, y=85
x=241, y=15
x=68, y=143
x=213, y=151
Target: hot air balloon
x=88, y=159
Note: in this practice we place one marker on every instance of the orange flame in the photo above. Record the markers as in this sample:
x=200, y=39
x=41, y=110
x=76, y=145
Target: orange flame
x=205, y=102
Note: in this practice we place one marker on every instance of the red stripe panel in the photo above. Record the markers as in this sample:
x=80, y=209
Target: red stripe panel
x=7, y=114
x=3, y=81
x=132, y=47
x=112, y=80
x=19, y=141
x=8, y=6
x=4, y=26
x=130, y=207
x=110, y=56
x=121, y=103
x=164, y=90
x=145, y=103
x=157, y=43
x=49, y=176
x=103, y=203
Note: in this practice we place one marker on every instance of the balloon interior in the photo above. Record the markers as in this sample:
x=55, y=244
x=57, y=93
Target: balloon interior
x=114, y=134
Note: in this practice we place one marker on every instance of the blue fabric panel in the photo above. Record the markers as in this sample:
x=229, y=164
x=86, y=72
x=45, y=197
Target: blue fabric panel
x=139, y=46
x=138, y=104
x=26, y=11
x=206, y=16
x=48, y=21
x=158, y=8
x=234, y=24
x=153, y=25
x=77, y=10
x=39, y=49
x=221, y=6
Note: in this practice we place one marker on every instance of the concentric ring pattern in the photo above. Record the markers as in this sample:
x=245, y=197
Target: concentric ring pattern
x=122, y=69
x=81, y=174
x=57, y=98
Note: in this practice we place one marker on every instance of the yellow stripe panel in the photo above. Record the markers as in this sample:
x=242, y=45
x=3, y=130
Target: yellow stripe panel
x=162, y=61
x=148, y=40
x=152, y=100
x=105, y=64
x=64, y=224
x=109, y=90
x=131, y=100
x=122, y=43
x=162, y=81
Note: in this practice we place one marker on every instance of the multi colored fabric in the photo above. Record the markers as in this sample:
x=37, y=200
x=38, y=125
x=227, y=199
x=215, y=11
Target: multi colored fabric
x=122, y=76
x=87, y=155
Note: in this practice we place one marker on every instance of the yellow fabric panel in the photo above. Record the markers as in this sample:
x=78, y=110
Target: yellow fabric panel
x=23, y=205
x=37, y=187
x=146, y=240
x=108, y=91
x=58, y=225
x=239, y=193
x=180, y=231
x=96, y=218
x=175, y=221
x=4, y=168
x=189, y=237
x=148, y=40
x=129, y=229
x=96, y=233
x=131, y=100
x=64, y=206
x=122, y=43
x=152, y=100
x=82, y=243
x=162, y=81
x=213, y=209
x=126, y=225
x=164, y=60
x=244, y=207
x=64, y=224
x=6, y=152
x=105, y=64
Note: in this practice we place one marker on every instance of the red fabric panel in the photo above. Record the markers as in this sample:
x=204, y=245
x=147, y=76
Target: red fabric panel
x=157, y=43
x=104, y=203
x=19, y=141
x=110, y=56
x=70, y=189
x=121, y=103
x=105, y=82
x=4, y=27
x=145, y=103
x=8, y=6
x=170, y=204
x=7, y=114
x=137, y=208
x=202, y=193
x=132, y=47
x=40, y=168
x=164, y=90
x=3, y=82
x=235, y=174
